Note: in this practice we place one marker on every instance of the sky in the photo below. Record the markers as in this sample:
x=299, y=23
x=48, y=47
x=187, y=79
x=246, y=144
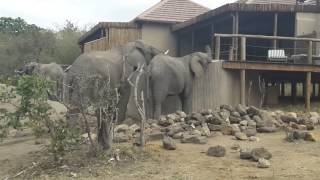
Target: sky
x=85, y=13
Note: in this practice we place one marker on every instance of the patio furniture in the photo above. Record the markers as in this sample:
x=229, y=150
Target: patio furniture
x=277, y=55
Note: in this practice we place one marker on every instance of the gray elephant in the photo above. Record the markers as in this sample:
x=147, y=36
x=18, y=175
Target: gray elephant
x=52, y=72
x=115, y=65
x=171, y=76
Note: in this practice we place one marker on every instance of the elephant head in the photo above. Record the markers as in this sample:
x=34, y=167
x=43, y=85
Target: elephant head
x=199, y=62
x=28, y=68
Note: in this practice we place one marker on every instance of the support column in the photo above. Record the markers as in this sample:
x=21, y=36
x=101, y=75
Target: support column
x=217, y=48
x=308, y=80
x=282, y=94
x=243, y=73
x=275, y=30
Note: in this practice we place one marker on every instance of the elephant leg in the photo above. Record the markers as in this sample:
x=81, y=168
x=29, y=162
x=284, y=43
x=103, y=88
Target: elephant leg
x=124, y=92
x=186, y=101
x=158, y=98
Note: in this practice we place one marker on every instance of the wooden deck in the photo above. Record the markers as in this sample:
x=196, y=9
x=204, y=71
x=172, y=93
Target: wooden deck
x=269, y=66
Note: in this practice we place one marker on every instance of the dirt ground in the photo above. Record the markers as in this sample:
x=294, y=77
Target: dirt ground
x=299, y=160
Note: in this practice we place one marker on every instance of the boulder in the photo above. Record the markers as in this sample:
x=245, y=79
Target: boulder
x=258, y=153
x=205, y=112
x=253, y=110
x=213, y=127
x=310, y=137
x=174, y=129
x=263, y=163
x=178, y=135
x=244, y=123
x=267, y=129
x=205, y=131
x=181, y=114
x=168, y=143
x=135, y=128
x=246, y=118
x=241, y=136
x=224, y=114
x=245, y=153
x=241, y=110
x=254, y=139
x=250, y=131
x=122, y=128
x=227, y=107
x=163, y=121
x=195, y=139
x=235, y=114
x=121, y=137
x=234, y=120
x=289, y=118
x=217, y=151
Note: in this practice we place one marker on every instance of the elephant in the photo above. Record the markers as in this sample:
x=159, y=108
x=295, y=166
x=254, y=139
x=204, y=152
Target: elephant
x=116, y=65
x=170, y=76
x=52, y=72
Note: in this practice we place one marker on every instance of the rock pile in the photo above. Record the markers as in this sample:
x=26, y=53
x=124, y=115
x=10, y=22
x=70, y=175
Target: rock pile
x=241, y=122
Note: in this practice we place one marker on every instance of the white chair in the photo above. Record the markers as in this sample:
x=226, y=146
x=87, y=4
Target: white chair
x=277, y=55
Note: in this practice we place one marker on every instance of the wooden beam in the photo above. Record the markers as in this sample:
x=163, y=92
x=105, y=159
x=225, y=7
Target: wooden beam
x=275, y=30
x=262, y=66
x=268, y=37
x=307, y=91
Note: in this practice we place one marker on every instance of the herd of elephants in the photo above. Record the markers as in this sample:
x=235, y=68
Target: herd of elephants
x=166, y=75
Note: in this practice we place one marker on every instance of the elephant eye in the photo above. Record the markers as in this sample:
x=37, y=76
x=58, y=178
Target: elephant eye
x=135, y=68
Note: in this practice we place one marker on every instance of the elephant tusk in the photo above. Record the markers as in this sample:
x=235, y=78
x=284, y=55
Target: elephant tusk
x=166, y=52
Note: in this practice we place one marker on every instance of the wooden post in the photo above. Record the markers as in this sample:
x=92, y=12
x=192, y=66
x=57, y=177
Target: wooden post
x=243, y=73
x=217, y=48
x=308, y=80
x=282, y=89
x=275, y=30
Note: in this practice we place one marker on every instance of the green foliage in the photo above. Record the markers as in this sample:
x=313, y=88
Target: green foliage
x=21, y=42
x=34, y=108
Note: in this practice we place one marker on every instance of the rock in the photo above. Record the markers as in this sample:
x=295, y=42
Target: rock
x=270, y=129
x=292, y=114
x=234, y=128
x=122, y=128
x=227, y=107
x=168, y=143
x=181, y=114
x=174, y=129
x=250, y=131
x=197, y=117
x=213, y=127
x=258, y=153
x=314, y=114
x=195, y=139
x=205, y=112
x=246, y=118
x=241, y=136
x=135, y=128
x=298, y=126
x=224, y=114
x=314, y=120
x=244, y=123
x=254, y=139
x=245, y=153
x=289, y=118
x=256, y=118
x=121, y=137
x=252, y=124
x=241, y=109
x=310, y=137
x=234, y=120
x=173, y=117
x=309, y=125
x=178, y=135
x=235, y=114
x=253, y=110
x=163, y=121
x=155, y=135
x=205, y=131
x=296, y=135
x=196, y=132
x=216, y=134
x=235, y=147
x=217, y=151
x=263, y=163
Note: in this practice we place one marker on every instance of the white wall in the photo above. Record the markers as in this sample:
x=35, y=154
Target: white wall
x=159, y=36
x=306, y=23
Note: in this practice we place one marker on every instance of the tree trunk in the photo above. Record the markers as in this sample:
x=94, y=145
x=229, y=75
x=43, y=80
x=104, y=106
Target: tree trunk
x=105, y=134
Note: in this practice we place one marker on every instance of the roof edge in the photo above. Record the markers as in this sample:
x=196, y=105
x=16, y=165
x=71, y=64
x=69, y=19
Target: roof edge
x=246, y=8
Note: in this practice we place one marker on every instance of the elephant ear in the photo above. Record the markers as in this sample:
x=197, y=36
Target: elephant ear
x=148, y=51
x=196, y=65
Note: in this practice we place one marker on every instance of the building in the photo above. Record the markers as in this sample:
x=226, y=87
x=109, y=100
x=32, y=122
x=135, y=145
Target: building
x=232, y=81
x=153, y=26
